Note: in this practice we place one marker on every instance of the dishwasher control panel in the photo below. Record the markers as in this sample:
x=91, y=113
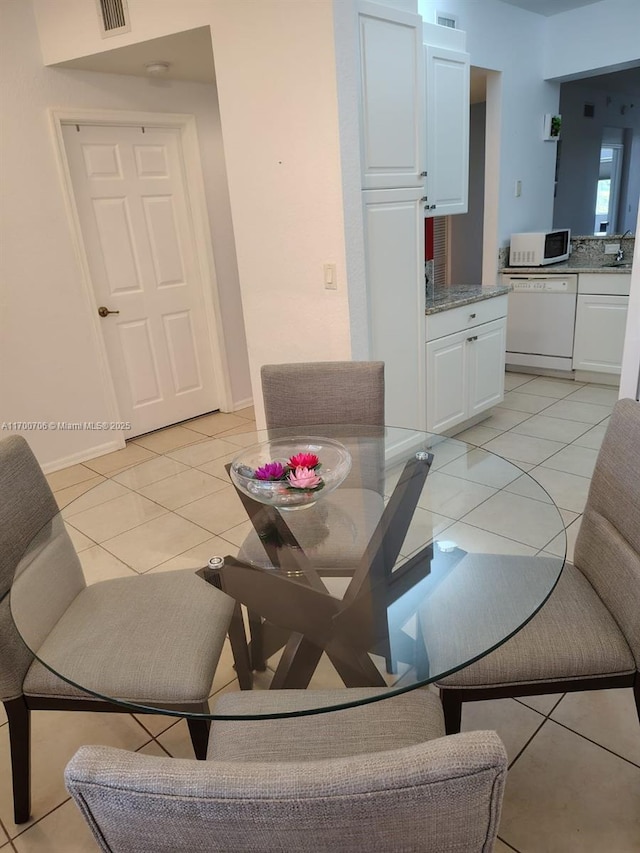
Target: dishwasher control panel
x=546, y=285
x=566, y=284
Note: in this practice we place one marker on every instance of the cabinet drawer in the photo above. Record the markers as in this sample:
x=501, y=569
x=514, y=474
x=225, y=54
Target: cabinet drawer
x=466, y=316
x=607, y=284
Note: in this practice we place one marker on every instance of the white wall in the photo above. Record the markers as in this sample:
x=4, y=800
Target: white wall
x=580, y=156
x=69, y=28
x=604, y=36
x=276, y=78
x=510, y=40
x=49, y=365
x=276, y=72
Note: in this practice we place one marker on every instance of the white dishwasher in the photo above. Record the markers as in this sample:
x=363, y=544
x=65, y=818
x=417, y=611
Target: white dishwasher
x=540, y=320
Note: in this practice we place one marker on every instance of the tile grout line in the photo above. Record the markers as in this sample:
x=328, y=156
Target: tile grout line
x=506, y=844
x=528, y=742
x=594, y=742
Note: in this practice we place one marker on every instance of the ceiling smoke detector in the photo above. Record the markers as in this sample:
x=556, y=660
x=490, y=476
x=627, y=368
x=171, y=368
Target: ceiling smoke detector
x=157, y=68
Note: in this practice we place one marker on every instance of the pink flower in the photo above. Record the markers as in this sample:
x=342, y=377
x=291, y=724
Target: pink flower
x=270, y=471
x=303, y=460
x=304, y=478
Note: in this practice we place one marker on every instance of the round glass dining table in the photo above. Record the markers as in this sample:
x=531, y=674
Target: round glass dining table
x=430, y=554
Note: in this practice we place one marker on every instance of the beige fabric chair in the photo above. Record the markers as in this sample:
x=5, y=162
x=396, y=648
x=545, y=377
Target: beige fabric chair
x=587, y=635
x=376, y=777
x=323, y=392
x=331, y=392
x=150, y=639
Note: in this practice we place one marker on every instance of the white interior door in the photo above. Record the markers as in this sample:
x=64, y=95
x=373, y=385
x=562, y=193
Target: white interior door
x=132, y=202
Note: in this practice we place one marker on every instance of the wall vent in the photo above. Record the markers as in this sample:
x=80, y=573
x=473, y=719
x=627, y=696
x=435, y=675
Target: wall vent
x=589, y=110
x=444, y=19
x=114, y=17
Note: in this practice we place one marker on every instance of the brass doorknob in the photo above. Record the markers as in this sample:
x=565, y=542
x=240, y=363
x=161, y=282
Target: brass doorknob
x=104, y=312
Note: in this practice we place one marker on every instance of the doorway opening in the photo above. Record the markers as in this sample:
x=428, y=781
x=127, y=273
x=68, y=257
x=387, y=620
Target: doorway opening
x=465, y=245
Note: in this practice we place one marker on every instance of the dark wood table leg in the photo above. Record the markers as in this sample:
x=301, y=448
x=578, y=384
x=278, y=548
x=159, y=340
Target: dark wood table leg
x=297, y=664
x=240, y=650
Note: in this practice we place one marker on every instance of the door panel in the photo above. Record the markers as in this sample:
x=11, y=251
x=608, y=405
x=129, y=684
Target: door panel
x=486, y=366
x=141, y=365
x=134, y=214
x=394, y=244
x=447, y=382
x=392, y=101
x=447, y=134
x=600, y=329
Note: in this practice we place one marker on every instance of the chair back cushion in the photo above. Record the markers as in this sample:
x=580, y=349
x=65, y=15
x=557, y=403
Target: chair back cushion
x=445, y=794
x=324, y=392
x=607, y=549
x=28, y=513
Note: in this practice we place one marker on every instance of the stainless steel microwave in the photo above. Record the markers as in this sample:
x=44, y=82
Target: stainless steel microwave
x=538, y=248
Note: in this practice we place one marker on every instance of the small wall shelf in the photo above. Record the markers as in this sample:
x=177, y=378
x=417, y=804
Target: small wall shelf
x=551, y=129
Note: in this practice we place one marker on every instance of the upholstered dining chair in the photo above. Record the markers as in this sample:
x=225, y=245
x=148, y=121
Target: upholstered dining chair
x=149, y=639
x=380, y=776
x=323, y=392
x=587, y=634
x=329, y=393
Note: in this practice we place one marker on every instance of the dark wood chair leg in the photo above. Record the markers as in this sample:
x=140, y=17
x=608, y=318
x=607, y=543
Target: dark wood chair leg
x=19, y=718
x=636, y=692
x=240, y=649
x=199, y=732
x=452, y=707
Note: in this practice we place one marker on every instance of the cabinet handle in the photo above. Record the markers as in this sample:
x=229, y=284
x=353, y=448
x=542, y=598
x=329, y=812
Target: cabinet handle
x=432, y=207
x=424, y=198
x=474, y=338
x=472, y=316
x=423, y=174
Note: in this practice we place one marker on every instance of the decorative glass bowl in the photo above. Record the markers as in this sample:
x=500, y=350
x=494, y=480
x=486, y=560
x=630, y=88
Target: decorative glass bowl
x=334, y=463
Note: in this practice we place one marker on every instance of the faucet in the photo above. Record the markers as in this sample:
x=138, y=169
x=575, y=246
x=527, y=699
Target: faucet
x=620, y=254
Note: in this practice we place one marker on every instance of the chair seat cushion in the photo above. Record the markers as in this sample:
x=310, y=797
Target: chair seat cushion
x=573, y=636
x=390, y=723
x=152, y=638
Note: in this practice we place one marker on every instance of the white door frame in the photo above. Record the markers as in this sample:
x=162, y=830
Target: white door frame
x=197, y=206
x=491, y=214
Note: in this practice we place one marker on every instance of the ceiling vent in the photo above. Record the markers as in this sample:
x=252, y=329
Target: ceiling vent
x=114, y=17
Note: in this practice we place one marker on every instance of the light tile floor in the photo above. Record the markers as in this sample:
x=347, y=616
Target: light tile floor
x=574, y=778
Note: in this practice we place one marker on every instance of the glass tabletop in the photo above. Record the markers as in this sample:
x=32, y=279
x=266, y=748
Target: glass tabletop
x=426, y=555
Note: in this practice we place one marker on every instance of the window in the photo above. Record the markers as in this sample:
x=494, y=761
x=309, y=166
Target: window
x=606, y=212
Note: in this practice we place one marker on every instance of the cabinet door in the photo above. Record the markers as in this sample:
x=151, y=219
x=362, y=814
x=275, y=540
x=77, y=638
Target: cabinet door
x=447, y=382
x=599, y=335
x=486, y=356
x=391, y=97
x=394, y=249
x=447, y=131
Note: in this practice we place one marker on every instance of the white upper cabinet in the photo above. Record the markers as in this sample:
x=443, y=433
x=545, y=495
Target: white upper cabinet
x=392, y=97
x=447, y=131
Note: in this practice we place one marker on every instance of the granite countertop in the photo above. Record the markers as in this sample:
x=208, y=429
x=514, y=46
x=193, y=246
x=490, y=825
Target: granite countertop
x=566, y=266
x=444, y=298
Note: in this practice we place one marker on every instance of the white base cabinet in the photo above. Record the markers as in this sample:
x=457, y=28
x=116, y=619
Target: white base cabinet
x=599, y=336
x=465, y=372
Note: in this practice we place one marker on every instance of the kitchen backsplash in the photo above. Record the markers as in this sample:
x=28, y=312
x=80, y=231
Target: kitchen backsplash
x=589, y=251
x=585, y=251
